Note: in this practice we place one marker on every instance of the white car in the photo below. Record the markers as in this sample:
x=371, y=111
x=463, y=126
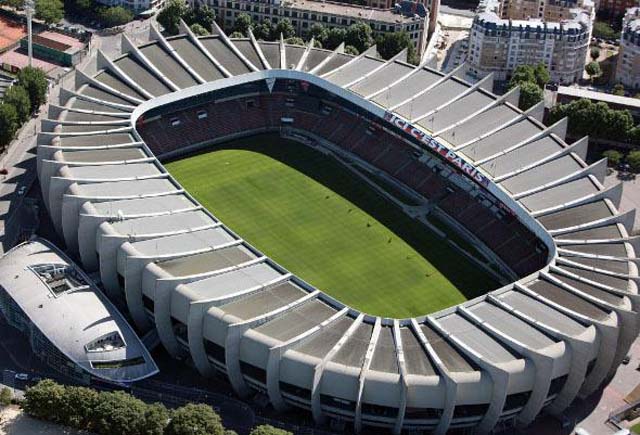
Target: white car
x=22, y=376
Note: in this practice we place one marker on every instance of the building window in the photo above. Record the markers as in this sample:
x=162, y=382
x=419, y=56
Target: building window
x=337, y=403
x=253, y=372
x=180, y=329
x=214, y=351
x=147, y=302
x=463, y=411
x=379, y=410
x=294, y=390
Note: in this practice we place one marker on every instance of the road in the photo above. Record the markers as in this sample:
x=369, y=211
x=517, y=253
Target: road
x=20, y=163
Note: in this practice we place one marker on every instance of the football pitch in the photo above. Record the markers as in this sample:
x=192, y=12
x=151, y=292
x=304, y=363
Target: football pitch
x=321, y=222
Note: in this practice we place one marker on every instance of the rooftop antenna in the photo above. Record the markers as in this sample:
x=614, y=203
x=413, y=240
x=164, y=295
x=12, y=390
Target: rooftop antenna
x=29, y=9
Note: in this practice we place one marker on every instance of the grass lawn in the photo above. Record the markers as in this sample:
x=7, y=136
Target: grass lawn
x=321, y=222
x=636, y=428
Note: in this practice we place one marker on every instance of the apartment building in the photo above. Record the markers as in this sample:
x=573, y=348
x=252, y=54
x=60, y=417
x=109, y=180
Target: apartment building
x=628, y=67
x=144, y=7
x=432, y=5
x=408, y=16
x=615, y=8
x=507, y=34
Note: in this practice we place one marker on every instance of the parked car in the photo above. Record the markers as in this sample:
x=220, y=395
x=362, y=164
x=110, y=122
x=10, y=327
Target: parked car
x=626, y=360
x=22, y=376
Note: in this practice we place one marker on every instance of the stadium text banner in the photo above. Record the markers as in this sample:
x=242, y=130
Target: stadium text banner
x=436, y=146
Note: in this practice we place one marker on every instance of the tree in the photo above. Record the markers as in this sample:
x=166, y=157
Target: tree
x=335, y=37
x=230, y=432
x=542, y=75
x=198, y=30
x=530, y=94
x=5, y=396
x=603, y=30
x=80, y=6
x=45, y=399
x=50, y=11
x=412, y=55
x=12, y=3
x=118, y=413
x=531, y=80
x=613, y=157
x=350, y=49
x=170, y=16
x=633, y=159
x=593, y=69
x=268, y=430
x=18, y=97
x=618, y=122
x=595, y=53
x=318, y=32
x=618, y=89
x=243, y=24
x=522, y=74
x=263, y=30
x=156, y=417
x=284, y=28
x=34, y=81
x=296, y=40
x=634, y=135
x=202, y=15
x=390, y=44
x=594, y=119
x=359, y=35
x=115, y=16
x=78, y=406
x=195, y=419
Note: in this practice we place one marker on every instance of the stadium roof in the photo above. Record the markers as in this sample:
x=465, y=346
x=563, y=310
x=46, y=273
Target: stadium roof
x=590, y=282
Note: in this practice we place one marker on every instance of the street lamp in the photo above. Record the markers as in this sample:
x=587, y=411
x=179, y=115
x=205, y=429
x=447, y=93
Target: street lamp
x=29, y=8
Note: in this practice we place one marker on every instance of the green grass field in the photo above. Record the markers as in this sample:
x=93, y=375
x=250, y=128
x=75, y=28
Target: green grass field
x=321, y=222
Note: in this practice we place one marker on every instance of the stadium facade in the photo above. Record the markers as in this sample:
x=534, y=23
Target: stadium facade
x=510, y=185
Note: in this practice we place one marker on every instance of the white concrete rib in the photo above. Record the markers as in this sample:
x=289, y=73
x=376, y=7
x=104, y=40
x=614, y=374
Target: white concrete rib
x=614, y=331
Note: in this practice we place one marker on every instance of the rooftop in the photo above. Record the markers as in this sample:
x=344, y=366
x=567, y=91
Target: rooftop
x=86, y=327
x=58, y=42
x=350, y=11
x=632, y=103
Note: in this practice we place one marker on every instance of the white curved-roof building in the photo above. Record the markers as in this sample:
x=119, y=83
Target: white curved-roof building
x=67, y=318
x=509, y=184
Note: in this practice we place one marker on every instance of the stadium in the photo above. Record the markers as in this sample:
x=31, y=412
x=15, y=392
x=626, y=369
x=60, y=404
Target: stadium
x=555, y=308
